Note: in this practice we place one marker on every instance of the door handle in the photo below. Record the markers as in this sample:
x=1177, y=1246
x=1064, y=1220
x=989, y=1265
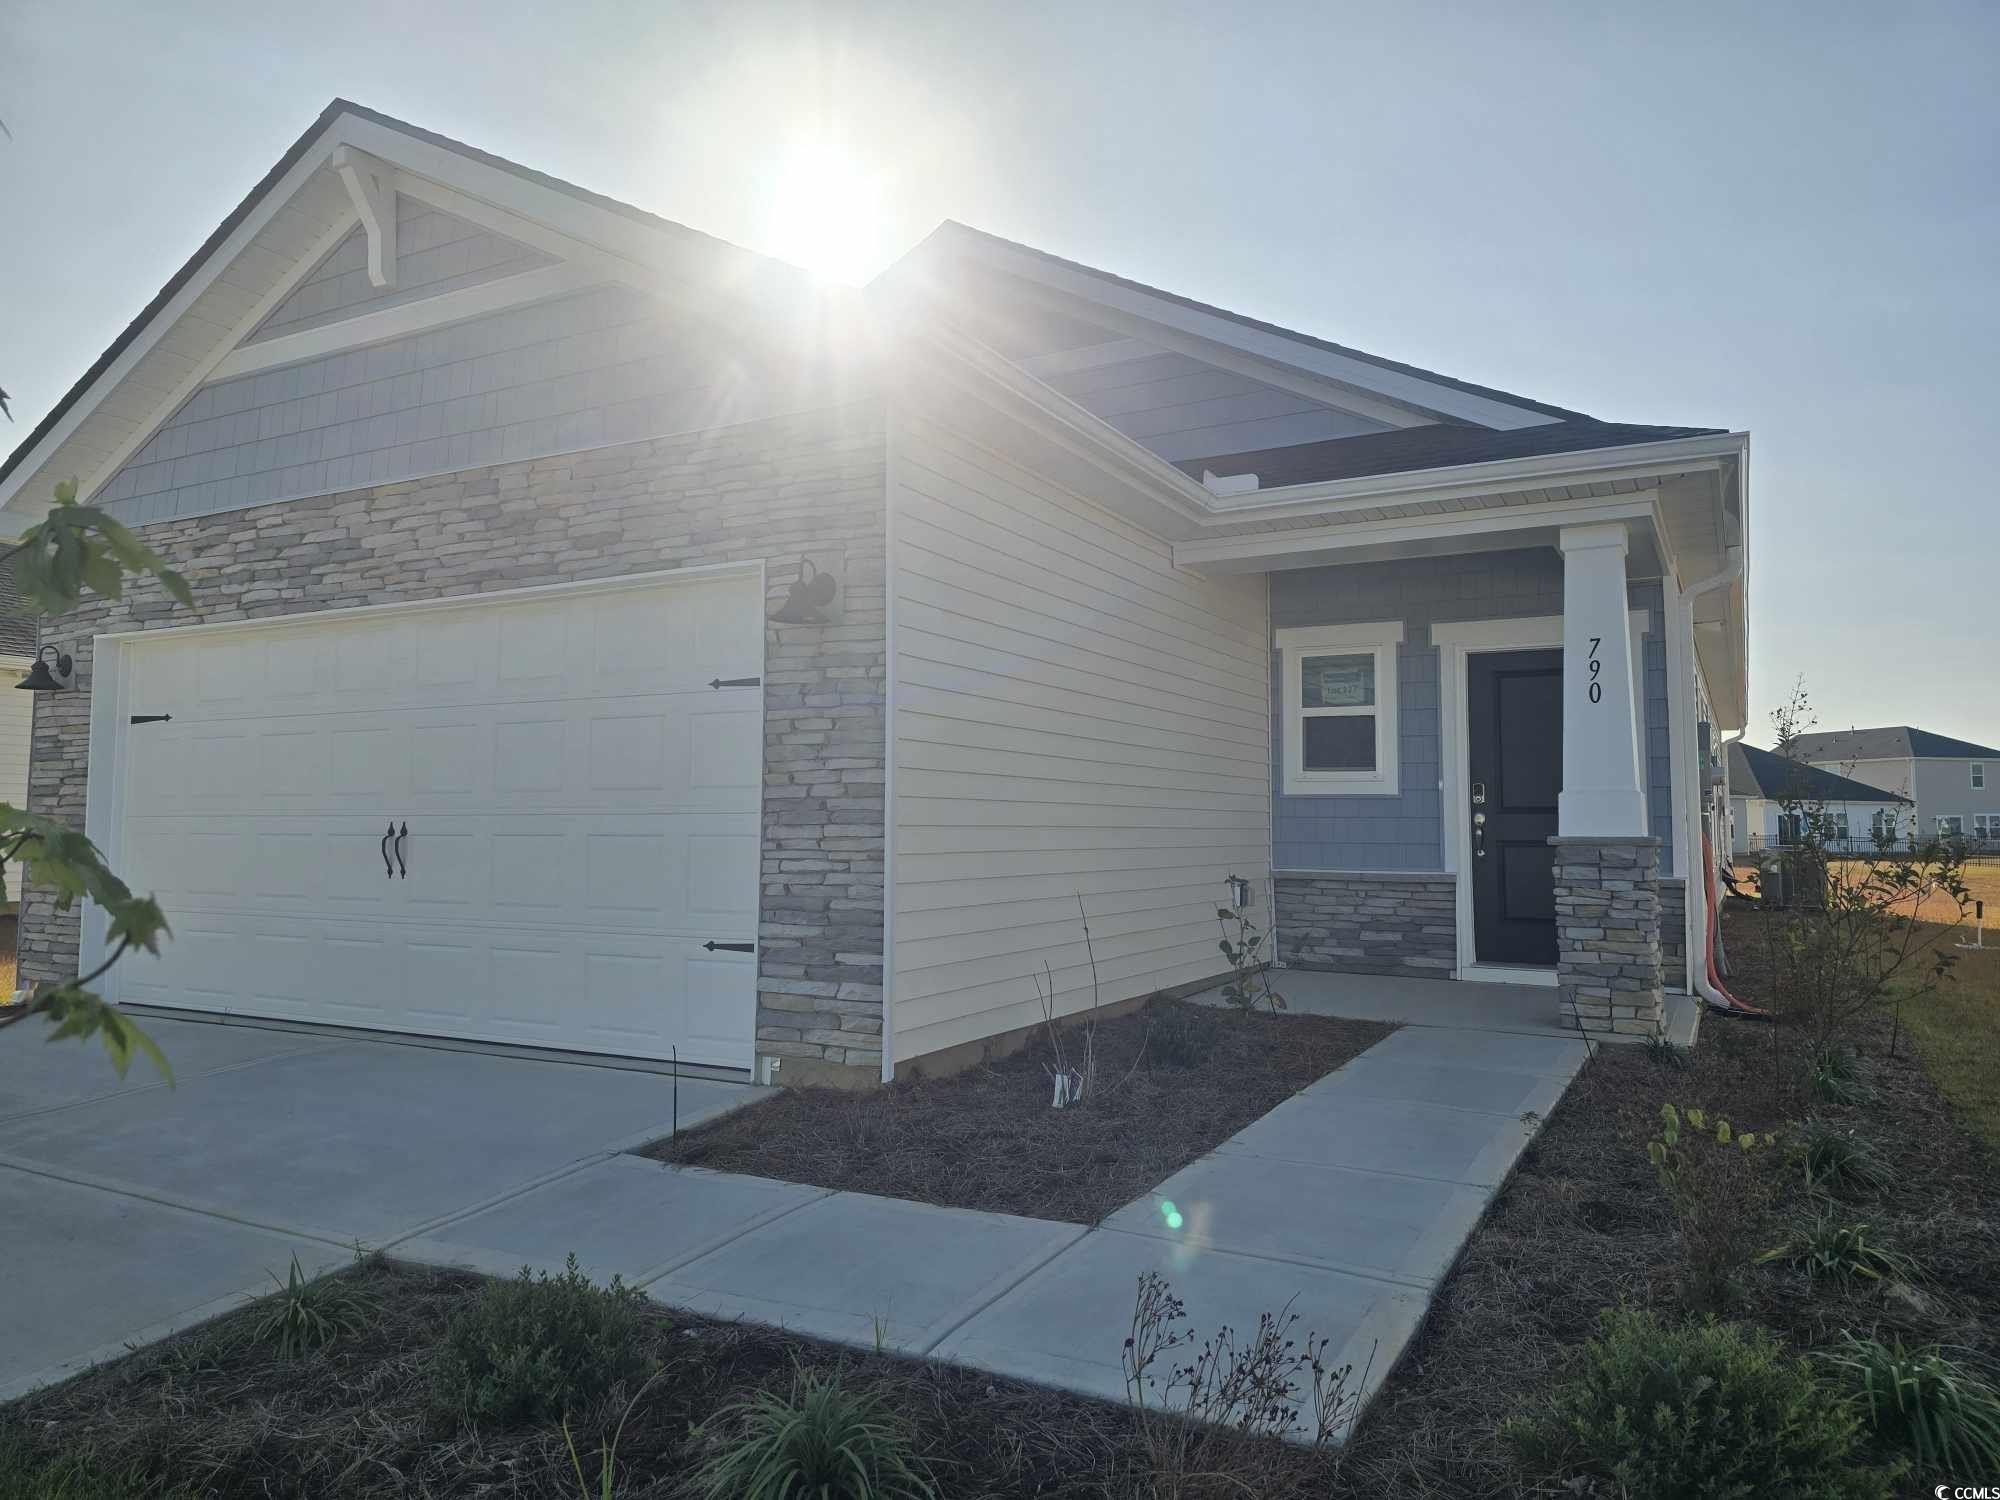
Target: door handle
x=1479, y=835
x=730, y=947
x=387, y=869
x=402, y=868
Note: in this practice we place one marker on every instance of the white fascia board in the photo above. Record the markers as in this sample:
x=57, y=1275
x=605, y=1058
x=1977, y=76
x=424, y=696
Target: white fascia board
x=1362, y=374
x=1183, y=499
x=1220, y=553
x=1464, y=481
x=163, y=322
x=406, y=318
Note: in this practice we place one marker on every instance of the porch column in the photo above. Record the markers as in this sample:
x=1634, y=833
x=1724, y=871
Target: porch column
x=1607, y=878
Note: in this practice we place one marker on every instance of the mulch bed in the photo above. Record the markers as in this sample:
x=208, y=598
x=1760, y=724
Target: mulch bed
x=988, y=1139
x=215, y=1413
x=1582, y=1226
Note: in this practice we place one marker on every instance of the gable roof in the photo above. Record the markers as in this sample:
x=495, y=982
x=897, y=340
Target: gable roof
x=1760, y=773
x=953, y=226
x=336, y=112
x=1895, y=742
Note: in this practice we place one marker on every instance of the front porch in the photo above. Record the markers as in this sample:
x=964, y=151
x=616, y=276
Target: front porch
x=1453, y=1005
x=1493, y=750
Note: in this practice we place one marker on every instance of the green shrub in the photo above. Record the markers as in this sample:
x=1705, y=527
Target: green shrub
x=70, y=1474
x=1943, y=1414
x=1709, y=1174
x=1833, y=1077
x=1179, y=1036
x=1840, y=1161
x=538, y=1346
x=1704, y=1410
x=824, y=1442
x=1662, y=1053
x=304, y=1314
x=1827, y=1247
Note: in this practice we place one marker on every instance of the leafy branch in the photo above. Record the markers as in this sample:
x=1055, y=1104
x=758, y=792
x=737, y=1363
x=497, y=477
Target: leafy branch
x=74, y=551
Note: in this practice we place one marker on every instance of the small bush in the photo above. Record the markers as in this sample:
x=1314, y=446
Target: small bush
x=1827, y=1247
x=1180, y=1036
x=538, y=1346
x=824, y=1442
x=1662, y=1053
x=1832, y=1077
x=1704, y=1409
x=1710, y=1176
x=1940, y=1412
x=304, y=1314
x=1839, y=1161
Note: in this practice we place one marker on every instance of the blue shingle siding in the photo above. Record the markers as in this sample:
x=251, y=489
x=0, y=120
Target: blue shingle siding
x=435, y=252
x=1406, y=832
x=600, y=367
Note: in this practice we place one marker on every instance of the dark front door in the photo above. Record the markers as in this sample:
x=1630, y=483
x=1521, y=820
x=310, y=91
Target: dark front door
x=1514, y=744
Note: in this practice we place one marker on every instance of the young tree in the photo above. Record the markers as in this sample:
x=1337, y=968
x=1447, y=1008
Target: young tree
x=1851, y=934
x=77, y=550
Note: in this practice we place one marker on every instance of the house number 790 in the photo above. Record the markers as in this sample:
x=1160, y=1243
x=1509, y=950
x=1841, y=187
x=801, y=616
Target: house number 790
x=1596, y=666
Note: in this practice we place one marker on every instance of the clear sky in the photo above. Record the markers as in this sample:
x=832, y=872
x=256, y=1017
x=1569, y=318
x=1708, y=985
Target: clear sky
x=1779, y=217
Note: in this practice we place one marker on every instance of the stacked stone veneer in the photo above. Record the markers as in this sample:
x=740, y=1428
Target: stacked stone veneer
x=1673, y=934
x=768, y=490
x=1608, y=934
x=1369, y=923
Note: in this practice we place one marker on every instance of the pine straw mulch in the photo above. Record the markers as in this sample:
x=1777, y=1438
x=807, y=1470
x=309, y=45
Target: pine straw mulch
x=214, y=1413
x=986, y=1138
x=1581, y=1226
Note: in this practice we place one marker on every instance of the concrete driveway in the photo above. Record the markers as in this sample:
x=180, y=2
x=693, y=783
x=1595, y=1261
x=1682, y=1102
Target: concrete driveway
x=130, y=1209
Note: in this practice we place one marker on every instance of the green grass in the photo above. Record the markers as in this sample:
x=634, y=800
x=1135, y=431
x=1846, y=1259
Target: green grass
x=1957, y=1034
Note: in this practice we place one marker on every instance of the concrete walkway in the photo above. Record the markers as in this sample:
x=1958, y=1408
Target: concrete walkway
x=129, y=1210
x=133, y=1210
x=1347, y=1204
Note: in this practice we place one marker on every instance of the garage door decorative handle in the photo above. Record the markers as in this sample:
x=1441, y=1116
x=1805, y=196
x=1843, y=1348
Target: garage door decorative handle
x=723, y=682
x=401, y=834
x=731, y=947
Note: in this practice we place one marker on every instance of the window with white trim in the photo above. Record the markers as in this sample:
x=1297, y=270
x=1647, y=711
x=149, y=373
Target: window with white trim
x=1986, y=825
x=1886, y=826
x=1835, y=829
x=1979, y=775
x=1950, y=827
x=1338, y=686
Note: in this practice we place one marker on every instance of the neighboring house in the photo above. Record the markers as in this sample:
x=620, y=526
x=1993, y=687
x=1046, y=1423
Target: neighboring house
x=1953, y=784
x=604, y=640
x=1769, y=795
x=17, y=709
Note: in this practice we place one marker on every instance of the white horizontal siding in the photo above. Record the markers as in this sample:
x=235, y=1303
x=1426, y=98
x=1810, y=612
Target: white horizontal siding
x=17, y=722
x=1075, y=717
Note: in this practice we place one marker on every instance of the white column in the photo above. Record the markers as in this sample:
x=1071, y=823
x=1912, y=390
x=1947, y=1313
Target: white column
x=1602, y=793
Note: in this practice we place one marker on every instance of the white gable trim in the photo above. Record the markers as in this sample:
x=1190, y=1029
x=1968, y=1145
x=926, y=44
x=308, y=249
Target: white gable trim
x=371, y=188
x=203, y=372
x=405, y=318
x=1352, y=373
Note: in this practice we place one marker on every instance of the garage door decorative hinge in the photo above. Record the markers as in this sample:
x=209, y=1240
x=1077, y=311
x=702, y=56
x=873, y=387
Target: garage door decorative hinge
x=731, y=947
x=723, y=682
x=151, y=718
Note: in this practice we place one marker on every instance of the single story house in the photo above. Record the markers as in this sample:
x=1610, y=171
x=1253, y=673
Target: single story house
x=607, y=640
x=1763, y=786
x=1952, y=784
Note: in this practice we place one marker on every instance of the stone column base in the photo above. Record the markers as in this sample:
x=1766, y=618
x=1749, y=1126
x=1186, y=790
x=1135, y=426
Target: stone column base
x=1608, y=935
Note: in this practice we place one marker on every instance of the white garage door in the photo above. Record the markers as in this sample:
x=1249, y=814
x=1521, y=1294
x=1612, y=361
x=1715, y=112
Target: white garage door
x=581, y=807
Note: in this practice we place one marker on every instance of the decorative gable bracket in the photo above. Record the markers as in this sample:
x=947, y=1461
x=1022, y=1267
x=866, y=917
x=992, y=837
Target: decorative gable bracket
x=371, y=184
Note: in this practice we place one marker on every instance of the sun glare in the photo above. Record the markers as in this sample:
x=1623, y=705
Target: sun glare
x=825, y=213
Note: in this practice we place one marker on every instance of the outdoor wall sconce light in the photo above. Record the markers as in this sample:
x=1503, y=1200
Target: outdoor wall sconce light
x=1239, y=893
x=807, y=600
x=41, y=680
